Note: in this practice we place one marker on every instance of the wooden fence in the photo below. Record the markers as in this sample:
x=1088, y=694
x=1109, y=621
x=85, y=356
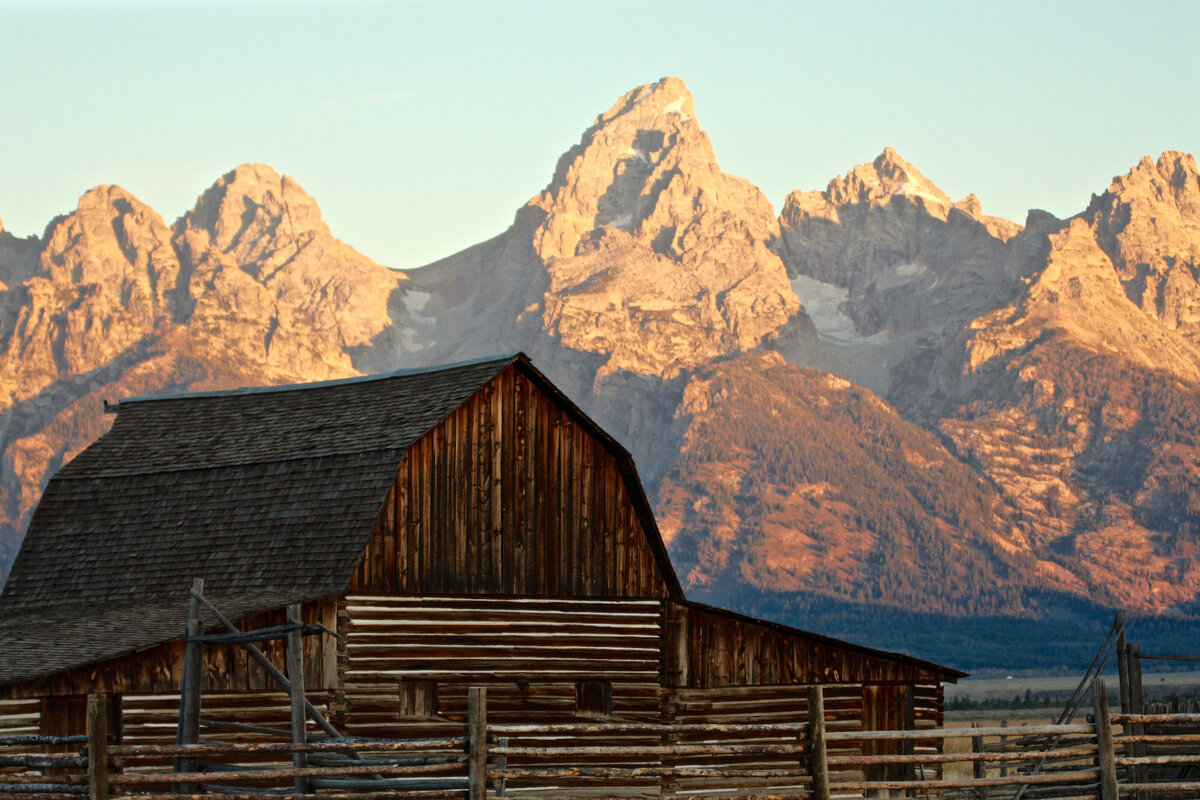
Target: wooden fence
x=1103, y=759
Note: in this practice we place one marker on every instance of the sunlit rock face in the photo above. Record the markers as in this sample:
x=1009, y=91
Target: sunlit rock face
x=640, y=251
x=999, y=410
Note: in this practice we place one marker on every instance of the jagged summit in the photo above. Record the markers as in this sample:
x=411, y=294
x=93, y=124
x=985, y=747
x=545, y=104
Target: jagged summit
x=876, y=183
x=648, y=147
x=1148, y=223
x=1174, y=172
x=252, y=209
x=652, y=285
x=668, y=95
x=640, y=248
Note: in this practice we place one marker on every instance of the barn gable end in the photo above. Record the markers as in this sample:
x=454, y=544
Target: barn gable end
x=516, y=493
x=453, y=527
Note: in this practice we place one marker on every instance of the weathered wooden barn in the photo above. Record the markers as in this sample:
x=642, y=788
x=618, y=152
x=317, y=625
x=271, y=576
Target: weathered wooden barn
x=456, y=527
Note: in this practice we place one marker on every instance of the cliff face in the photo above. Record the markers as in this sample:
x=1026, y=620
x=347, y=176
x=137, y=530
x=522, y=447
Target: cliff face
x=1015, y=409
x=640, y=253
x=790, y=480
x=247, y=288
x=1148, y=224
x=1079, y=402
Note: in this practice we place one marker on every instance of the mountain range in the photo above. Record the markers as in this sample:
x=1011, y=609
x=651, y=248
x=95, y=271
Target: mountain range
x=879, y=404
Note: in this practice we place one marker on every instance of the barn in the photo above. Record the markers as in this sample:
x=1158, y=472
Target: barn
x=444, y=528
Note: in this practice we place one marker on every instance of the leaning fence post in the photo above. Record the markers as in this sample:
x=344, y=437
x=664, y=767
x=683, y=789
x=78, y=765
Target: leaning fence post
x=477, y=742
x=1104, y=741
x=816, y=739
x=97, y=733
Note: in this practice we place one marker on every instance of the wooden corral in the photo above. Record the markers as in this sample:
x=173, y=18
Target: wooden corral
x=454, y=527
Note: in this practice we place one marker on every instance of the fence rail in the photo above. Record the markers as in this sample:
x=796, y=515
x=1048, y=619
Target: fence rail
x=709, y=761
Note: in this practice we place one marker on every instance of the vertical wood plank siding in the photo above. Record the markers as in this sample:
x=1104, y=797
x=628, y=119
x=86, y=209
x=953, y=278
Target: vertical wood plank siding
x=509, y=495
x=712, y=649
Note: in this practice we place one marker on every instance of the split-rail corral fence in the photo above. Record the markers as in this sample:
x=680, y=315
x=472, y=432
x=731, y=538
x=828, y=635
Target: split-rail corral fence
x=1102, y=758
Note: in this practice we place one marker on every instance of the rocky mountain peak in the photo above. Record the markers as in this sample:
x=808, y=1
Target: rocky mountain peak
x=251, y=212
x=111, y=237
x=647, y=145
x=653, y=255
x=1174, y=174
x=1148, y=223
x=872, y=185
x=103, y=279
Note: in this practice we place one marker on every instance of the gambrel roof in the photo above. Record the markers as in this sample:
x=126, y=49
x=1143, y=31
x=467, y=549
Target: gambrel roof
x=269, y=494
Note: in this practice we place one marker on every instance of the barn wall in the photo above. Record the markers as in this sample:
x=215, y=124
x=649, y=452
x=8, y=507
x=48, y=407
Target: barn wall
x=226, y=667
x=712, y=649
x=510, y=495
x=761, y=705
x=531, y=655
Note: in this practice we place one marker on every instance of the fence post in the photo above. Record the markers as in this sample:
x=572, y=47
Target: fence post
x=909, y=746
x=1137, y=705
x=477, y=742
x=189, y=690
x=501, y=762
x=97, y=733
x=295, y=674
x=1104, y=741
x=1003, y=747
x=1122, y=663
x=816, y=738
x=979, y=767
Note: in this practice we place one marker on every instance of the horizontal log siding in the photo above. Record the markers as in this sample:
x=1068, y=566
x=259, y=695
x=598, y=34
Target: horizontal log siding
x=226, y=667
x=509, y=495
x=20, y=718
x=530, y=653
x=762, y=705
x=711, y=649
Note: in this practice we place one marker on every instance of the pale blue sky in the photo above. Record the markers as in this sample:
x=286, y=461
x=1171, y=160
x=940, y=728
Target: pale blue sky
x=421, y=127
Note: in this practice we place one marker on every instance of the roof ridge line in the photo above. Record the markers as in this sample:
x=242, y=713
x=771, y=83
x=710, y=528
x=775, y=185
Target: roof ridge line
x=170, y=471
x=298, y=387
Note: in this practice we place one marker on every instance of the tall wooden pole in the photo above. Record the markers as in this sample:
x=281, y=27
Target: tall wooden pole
x=1137, y=705
x=477, y=742
x=979, y=767
x=1122, y=663
x=97, y=733
x=910, y=723
x=189, y=692
x=295, y=665
x=816, y=737
x=1104, y=741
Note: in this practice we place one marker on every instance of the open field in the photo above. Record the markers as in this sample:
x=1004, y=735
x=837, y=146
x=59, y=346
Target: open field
x=1155, y=685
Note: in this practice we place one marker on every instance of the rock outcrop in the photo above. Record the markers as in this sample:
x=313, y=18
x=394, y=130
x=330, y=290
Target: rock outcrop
x=1148, y=224
x=1034, y=428
x=640, y=252
x=247, y=288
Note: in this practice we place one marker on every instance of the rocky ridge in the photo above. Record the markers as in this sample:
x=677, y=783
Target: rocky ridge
x=247, y=288
x=1026, y=410
x=640, y=252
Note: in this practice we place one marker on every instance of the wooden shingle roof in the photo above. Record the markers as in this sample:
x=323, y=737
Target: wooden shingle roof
x=268, y=494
